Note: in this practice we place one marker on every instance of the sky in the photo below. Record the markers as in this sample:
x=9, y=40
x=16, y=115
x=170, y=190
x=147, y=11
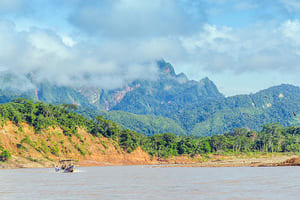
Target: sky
x=242, y=46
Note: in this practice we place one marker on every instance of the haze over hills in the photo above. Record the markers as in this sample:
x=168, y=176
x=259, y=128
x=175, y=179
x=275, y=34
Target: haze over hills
x=171, y=103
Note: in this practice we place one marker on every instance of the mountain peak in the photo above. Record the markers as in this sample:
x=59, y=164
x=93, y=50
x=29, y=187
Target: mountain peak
x=210, y=87
x=182, y=78
x=166, y=68
x=206, y=80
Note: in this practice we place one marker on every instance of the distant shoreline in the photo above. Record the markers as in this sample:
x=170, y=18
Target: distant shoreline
x=220, y=161
x=252, y=162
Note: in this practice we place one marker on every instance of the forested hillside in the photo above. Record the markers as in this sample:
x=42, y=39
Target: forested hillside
x=41, y=116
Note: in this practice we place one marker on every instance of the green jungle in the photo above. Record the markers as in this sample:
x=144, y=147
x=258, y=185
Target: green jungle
x=271, y=138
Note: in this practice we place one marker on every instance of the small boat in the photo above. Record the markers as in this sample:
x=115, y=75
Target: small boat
x=66, y=166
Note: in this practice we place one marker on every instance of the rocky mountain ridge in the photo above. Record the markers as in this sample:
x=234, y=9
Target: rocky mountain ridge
x=171, y=101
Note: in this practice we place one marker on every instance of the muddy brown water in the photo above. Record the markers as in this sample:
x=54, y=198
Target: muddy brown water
x=151, y=182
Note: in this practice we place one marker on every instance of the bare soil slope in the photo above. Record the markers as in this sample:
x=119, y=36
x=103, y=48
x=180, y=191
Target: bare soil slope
x=44, y=149
x=30, y=149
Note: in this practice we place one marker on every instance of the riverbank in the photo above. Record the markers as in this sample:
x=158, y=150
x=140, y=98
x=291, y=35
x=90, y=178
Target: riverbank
x=31, y=150
x=251, y=162
x=266, y=160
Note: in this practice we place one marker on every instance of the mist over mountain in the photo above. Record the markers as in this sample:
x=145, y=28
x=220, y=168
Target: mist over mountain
x=169, y=103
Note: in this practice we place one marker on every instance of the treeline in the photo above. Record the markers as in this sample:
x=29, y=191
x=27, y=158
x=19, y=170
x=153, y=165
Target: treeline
x=272, y=137
x=41, y=116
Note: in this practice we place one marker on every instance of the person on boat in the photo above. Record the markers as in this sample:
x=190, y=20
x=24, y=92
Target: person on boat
x=56, y=168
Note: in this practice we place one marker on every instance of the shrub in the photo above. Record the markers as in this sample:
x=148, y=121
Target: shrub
x=5, y=155
x=80, y=149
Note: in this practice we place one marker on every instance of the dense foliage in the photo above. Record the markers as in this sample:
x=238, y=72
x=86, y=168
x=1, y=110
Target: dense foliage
x=203, y=115
x=41, y=115
x=209, y=116
x=146, y=124
x=272, y=137
x=5, y=155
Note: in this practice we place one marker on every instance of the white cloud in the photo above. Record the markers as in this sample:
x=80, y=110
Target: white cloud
x=68, y=41
x=45, y=53
x=48, y=43
x=211, y=38
x=257, y=48
x=291, y=30
x=113, y=62
x=109, y=42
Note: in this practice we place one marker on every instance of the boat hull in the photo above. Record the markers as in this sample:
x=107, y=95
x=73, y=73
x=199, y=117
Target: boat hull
x=67, y=170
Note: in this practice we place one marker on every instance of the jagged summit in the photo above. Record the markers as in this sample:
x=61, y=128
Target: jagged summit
x=166, y=68
x=182, y=78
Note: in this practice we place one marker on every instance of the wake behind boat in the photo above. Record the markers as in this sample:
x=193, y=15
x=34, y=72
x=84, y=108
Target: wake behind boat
x=65, y=166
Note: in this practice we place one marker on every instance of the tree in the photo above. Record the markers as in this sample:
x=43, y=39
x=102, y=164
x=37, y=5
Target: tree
x=205, y=147
x=5, y=155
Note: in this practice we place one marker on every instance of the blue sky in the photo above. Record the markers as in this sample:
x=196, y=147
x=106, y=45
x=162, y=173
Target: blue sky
x=243, y=46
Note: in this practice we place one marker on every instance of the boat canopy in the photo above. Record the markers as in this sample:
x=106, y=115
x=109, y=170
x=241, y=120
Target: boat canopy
x=66, y=160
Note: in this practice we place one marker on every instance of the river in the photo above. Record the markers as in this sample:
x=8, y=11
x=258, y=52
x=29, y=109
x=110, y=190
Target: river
x=151, y=182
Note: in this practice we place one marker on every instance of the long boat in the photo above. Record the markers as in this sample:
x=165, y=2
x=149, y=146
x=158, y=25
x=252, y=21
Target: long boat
x=65, y=166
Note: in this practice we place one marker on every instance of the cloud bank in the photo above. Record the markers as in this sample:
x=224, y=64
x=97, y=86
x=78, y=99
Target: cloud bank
x=109, y=43
x=52, y=58
x=258, y=48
